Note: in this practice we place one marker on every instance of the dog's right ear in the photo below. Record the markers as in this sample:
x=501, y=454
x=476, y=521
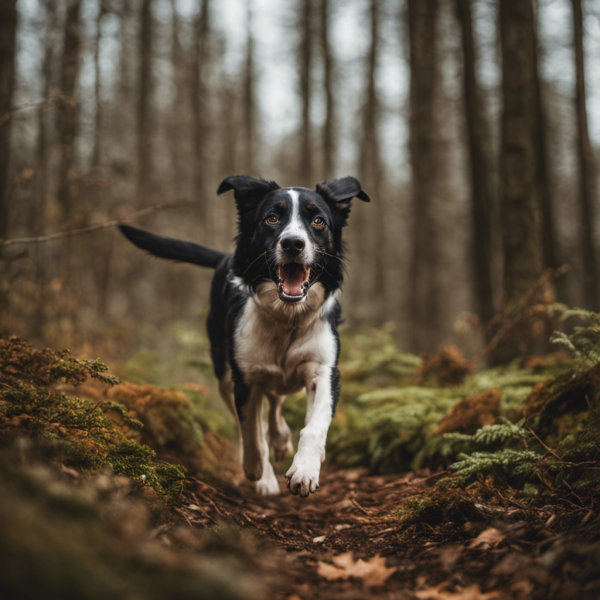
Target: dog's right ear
x=248, y=191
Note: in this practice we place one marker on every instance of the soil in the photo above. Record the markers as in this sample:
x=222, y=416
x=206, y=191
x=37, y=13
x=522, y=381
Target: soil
x=494, y=554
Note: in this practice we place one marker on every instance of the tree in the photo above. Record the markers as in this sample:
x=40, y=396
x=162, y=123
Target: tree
x=68, y=109
x=481, y=199
x=424, y=308
x=249, y=96
x=329, y=125
x=144, y=122
x=8, y=31
x=587, y=168
x=305, y=51
x=97, y=150
x=518, y=166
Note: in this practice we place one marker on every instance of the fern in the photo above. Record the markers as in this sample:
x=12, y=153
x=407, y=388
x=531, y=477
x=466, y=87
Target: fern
x=506, y=462
x=584, y=341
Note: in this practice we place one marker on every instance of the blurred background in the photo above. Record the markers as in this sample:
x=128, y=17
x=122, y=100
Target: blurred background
x=474, y=125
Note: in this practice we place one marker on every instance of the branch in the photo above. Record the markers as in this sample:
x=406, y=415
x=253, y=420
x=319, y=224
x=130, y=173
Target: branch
x=105, y=225
x=46, y=104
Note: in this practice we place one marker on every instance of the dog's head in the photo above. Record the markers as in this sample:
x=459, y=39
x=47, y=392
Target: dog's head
x=292, y=236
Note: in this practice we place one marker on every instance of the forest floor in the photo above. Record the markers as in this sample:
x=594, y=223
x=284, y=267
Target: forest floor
x=344, y=542
x=130, y=490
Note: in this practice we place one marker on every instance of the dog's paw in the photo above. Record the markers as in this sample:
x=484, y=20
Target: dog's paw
x=302, y=479
x=268, y=485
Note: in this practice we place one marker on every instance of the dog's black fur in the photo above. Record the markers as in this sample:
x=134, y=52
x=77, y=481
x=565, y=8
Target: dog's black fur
x=273, y=318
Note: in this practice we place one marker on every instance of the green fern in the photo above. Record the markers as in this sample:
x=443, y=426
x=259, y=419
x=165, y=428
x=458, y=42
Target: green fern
x=584, y=341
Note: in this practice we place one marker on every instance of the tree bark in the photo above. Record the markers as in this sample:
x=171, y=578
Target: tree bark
x=198, y=93
x=481, y=199
x=329, y=125
x=68, y=110
x=305, y=59
x=424, y=80
x=97, y=150
x=587, y=169
x=518, y=165
x=145, y=88
x=249, y=97
x=8, y=31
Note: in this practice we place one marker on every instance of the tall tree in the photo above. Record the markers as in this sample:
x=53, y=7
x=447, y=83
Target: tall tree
x=144, y=103
x=305, y=50
x=587, y=168
x=97, y=149
x=328, y=84
x=370, y=241
x=199, y=104
x=518, y=165
x=68, y=110
x=481, y=199
x=249, y=95
x=8, y=31
x=424, y=81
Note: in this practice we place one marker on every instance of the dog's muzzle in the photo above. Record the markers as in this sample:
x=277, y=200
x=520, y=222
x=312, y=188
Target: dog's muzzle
x=293, y=281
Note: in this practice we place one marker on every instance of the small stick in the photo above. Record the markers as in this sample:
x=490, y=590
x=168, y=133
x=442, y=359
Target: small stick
x=105, y=225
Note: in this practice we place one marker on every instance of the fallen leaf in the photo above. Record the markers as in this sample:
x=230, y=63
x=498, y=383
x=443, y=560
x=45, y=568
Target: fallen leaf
x=473, y=592
x=373, y=571
x=486, y=539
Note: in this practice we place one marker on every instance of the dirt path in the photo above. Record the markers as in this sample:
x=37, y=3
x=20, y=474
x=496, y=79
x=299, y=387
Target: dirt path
x=353, y=512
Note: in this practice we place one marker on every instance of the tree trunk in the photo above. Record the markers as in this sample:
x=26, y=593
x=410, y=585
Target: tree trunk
x=145, y=88
x=8, y=30
x=518, y=165
x=587, y=169
x=329, y=126
x=305, y=59
x=68, y=110
x=249, y=97
x=481, y=199
x=424, y=308
x=198, y=91
x=97, y=149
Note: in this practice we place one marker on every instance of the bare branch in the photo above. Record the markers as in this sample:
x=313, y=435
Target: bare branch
x=105, y=225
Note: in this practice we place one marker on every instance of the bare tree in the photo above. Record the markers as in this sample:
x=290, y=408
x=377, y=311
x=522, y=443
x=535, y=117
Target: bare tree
x=587, y=167
x=198, y=99
x=8, y=31
x=518, y=166
x=68, y=111
x=305, y=56
x=329, y=125
x=145, y=88
x=481, y=198
x=249, y=95
x=424, y=308
x=97, y=150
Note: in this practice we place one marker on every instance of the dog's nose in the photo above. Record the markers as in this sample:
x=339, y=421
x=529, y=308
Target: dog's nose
x=292, y=245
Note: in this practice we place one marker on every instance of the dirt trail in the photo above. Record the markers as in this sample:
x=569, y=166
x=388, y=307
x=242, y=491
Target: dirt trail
x=354, y=512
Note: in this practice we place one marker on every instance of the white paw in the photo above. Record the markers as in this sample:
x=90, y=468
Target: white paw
x=302, y=479
x=268, y=485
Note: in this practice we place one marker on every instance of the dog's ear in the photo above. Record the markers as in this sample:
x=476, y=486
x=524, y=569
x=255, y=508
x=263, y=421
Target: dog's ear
x=339, y=193
x=248, y=191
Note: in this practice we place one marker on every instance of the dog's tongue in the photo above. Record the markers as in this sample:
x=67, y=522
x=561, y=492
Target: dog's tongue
x=293, y=276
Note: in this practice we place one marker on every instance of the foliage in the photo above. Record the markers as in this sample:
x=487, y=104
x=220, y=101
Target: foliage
x=584, y=340
x=80, y=430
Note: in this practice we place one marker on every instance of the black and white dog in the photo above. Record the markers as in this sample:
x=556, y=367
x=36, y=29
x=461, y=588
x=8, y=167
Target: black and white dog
x=274, y=315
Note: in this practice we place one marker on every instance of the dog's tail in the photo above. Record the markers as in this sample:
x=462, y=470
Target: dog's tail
x=172, y=249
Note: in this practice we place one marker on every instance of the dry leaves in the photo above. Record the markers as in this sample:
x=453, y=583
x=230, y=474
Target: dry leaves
x=486, y=539
x=473, y=592
x=373, y=571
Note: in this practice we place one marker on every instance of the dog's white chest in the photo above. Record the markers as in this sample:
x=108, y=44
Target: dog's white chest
x=271, y=354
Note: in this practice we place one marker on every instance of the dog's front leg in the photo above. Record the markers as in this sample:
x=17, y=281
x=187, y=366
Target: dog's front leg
x=249, y=403
x=322, y=389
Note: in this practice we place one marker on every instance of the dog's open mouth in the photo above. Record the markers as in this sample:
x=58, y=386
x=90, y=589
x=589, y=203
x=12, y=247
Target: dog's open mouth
x=293, y=281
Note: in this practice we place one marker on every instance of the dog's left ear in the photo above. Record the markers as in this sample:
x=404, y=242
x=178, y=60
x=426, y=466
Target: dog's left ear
x=248, y=191
x=339, y=193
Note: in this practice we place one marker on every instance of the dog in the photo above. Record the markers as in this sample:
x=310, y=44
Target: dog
x=273, y=316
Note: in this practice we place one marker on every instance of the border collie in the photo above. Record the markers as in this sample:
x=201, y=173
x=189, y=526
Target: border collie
x=273, y=316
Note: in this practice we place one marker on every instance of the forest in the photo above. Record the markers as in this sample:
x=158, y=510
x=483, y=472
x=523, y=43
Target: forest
x=463, y=460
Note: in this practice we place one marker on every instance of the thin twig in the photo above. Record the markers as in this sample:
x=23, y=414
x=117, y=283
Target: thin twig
x=542, y=443
x=105, y=225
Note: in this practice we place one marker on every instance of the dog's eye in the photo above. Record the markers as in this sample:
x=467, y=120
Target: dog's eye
x=272, y=219
x=318, y=222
